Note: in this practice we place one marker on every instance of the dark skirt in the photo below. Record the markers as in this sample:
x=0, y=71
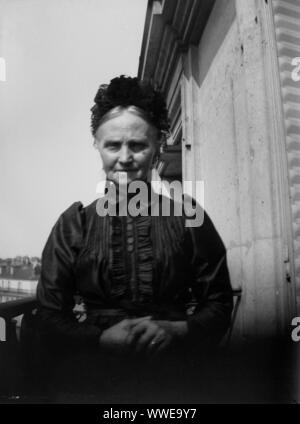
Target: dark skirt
x=90, y=375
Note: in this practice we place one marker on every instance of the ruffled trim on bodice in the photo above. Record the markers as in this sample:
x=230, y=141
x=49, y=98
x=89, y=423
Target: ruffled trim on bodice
x=131, y=259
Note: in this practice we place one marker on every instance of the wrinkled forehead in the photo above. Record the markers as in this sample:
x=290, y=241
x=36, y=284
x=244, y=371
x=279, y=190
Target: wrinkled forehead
x=126, y=124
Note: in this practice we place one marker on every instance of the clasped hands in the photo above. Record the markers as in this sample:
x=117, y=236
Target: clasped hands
x=142, y=335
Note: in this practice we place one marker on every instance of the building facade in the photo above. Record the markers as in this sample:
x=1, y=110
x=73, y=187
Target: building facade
x=18, y=280
x=230, y=71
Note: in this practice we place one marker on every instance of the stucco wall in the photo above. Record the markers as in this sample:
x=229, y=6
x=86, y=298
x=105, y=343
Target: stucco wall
x=234, y=155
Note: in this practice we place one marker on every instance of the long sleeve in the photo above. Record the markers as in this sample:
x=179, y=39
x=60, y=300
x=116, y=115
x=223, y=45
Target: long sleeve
x=210, y=285
x=56, y=287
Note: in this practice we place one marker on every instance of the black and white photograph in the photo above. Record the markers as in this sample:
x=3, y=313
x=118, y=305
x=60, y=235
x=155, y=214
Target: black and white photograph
x=150, y=204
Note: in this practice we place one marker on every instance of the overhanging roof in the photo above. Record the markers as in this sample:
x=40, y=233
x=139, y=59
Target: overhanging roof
x=170, y=27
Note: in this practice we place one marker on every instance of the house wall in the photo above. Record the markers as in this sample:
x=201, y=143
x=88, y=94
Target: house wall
x=18, y=285
x=229, y=122
x=287, y=18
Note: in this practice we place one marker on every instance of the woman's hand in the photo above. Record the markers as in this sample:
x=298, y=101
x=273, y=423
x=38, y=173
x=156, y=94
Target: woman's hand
x=116, y=338
x=152, y=337
x=142, y=335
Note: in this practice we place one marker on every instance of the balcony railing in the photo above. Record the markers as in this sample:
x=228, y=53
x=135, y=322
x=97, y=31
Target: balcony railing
x=12, y=309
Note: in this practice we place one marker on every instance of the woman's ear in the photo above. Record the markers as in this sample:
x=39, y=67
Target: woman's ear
x=95, y=144
x=157, y=155
x=154, y=161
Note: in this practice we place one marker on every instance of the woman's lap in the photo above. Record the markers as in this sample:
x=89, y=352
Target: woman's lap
x=105, y=378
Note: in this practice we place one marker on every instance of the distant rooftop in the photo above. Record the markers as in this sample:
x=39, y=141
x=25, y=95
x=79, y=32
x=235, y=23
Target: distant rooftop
x=20, y=268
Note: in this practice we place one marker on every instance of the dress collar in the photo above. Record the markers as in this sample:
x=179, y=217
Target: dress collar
x=154, y=191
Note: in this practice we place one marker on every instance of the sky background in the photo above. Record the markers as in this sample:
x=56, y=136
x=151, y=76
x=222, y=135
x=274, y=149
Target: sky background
x=57, y=53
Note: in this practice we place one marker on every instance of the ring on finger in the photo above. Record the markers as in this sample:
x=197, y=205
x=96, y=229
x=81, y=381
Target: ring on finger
x=157, y=341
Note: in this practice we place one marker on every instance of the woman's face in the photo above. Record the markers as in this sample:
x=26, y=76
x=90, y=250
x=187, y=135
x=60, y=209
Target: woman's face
x=127, y=143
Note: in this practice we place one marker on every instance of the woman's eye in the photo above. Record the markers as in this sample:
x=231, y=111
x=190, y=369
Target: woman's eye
x=112, y=146
x=134, y=147
x=137, y=147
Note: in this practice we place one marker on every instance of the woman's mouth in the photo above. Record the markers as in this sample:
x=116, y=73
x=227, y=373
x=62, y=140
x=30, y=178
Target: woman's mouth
x=124, y=176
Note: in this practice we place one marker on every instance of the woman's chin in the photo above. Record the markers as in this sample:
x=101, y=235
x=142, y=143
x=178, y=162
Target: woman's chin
x=125, y=178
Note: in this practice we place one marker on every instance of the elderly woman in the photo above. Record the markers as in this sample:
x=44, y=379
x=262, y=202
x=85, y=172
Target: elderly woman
x=135, y=273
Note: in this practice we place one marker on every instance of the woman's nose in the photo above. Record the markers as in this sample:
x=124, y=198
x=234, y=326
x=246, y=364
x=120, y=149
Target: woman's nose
x=125, y=155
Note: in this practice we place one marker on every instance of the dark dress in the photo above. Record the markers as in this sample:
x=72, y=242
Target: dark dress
x=123, y=266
